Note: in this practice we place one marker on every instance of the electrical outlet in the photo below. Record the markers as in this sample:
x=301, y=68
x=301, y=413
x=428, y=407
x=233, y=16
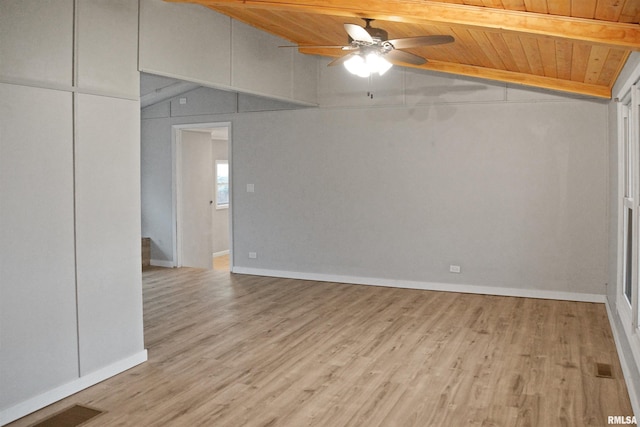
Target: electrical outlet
x=253, y=255
x=454, y=268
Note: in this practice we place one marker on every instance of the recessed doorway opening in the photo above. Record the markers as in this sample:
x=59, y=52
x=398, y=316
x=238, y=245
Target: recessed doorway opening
x=203, y=196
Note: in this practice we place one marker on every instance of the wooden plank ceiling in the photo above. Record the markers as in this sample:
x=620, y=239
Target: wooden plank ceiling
x=577, y=46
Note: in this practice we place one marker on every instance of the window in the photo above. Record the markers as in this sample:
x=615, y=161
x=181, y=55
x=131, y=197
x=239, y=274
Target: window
x=628, y=256
x=627, y=284
x=629, y=138
x=627, y=203
x=222, y=184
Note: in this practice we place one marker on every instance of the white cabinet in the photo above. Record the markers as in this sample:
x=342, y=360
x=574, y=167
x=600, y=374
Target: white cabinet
x=36, y=41
x=70, y=280
x=194, y=43
x=107, y=47
x=38, y=332
x=185, y=41
x=258, y=65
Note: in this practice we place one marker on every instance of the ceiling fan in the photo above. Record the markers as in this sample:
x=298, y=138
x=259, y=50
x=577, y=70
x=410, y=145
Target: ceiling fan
x=373, y=52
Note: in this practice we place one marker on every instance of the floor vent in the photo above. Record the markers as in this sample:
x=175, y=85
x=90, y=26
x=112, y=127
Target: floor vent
x=604, y=370
x=70, y=417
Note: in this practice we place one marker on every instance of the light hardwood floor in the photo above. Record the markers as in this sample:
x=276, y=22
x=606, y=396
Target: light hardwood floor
x=232, y=350
x=221, y=263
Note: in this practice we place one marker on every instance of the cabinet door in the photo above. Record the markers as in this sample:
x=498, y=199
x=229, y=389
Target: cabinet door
x=36, y=40
x=107, y=159
x=108, y=47
x=185, y=41
x=38, y=333
x=258, y=65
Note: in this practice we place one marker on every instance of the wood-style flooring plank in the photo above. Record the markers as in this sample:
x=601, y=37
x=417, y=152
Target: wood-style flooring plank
x=234, y=350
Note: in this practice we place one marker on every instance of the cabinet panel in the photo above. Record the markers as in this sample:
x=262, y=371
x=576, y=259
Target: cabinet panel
x=107, y=159
x=185, y=41
x=37, y=277
x=258, y=65
x=36, y=40
x=108, y=46
x=305, y=78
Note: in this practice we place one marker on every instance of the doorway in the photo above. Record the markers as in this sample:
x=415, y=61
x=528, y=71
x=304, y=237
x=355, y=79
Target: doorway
x=202, y=165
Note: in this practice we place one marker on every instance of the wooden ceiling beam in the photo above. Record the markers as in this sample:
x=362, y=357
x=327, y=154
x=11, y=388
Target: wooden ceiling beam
x=425, y=11
x=598, y=91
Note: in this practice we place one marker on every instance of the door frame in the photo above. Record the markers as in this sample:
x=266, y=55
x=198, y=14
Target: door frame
x=176, y=185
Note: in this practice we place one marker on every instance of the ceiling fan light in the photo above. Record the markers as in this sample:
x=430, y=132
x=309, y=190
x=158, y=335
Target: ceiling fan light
x=358, y=66
x=377, y=64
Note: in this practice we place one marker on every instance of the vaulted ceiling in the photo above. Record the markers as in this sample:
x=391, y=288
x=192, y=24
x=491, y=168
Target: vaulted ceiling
x=577, y=46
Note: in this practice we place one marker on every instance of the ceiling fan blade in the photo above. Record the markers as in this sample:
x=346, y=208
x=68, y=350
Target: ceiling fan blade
x=302, y=46
x=356, y=32
x=410, y=42
x=340, y=60
x=406, y=57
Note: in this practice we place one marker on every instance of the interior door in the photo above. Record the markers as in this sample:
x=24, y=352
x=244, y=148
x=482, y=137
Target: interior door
x=197, y=194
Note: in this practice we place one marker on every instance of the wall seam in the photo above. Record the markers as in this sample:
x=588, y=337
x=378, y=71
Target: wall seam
x=74, y=138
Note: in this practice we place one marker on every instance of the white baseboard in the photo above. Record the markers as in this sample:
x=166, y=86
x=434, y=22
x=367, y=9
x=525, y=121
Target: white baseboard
x=427, y=286
x=160, y=263
x=221, y=253
x=634, y=394
x=47, y=398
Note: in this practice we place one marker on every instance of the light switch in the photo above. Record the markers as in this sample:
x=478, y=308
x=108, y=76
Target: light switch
x=183, y=101
x=250, y=188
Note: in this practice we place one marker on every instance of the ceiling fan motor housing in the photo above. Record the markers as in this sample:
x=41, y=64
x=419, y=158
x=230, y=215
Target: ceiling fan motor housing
x=378, y=34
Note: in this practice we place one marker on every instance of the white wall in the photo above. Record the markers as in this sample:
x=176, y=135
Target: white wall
x=194, y=43
x=70, y=305
x=509, y=183
x=411, y=87
x=203, y=105
x=514, y=193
